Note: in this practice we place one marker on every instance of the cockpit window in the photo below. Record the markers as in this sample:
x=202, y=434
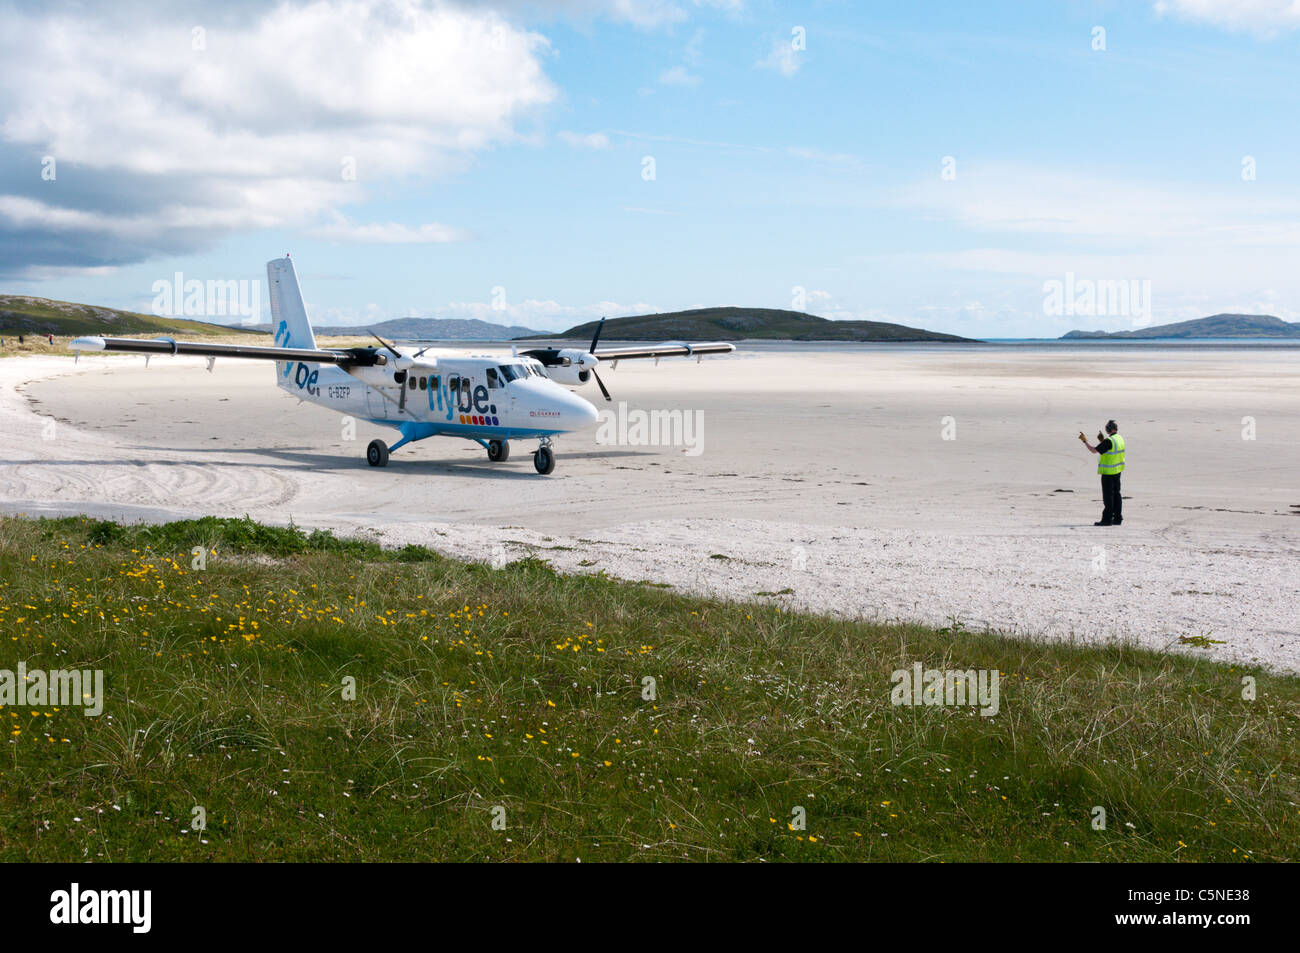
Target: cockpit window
x=510, y=372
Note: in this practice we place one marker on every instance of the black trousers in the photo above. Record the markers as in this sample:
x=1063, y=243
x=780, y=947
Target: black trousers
x=1111, y=499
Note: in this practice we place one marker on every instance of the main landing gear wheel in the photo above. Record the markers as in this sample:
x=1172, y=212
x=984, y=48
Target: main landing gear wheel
x=498, y=451
x=377, y=454
x=544, y=460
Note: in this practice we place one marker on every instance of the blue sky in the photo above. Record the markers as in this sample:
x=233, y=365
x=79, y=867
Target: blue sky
x=500, y=152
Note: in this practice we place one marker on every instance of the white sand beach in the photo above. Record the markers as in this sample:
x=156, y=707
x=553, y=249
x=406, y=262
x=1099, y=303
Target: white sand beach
x=824, y=472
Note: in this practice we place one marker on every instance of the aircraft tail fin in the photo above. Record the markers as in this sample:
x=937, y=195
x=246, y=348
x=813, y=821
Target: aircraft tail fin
x=288, y=313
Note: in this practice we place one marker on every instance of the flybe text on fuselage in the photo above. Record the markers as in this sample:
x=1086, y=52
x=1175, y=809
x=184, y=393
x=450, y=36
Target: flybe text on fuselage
x=447, y=393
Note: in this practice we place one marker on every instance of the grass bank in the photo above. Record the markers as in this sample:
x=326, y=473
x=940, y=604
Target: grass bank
x=313, y=698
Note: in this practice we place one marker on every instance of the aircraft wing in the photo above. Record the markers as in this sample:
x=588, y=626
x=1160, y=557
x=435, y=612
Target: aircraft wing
x=354, y=357
x=670, y=349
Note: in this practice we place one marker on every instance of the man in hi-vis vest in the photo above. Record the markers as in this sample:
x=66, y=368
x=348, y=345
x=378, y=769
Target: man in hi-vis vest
x=1110, y=466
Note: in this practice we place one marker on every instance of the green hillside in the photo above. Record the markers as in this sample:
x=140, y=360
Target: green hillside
x=748, y=324
x=21, y=314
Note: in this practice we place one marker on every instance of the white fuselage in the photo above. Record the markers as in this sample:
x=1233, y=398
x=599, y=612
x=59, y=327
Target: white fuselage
x=427, y=394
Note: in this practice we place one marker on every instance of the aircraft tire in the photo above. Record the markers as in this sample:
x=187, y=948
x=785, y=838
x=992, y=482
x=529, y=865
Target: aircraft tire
x=544, y=460
x=377, y=454
x=498, y=451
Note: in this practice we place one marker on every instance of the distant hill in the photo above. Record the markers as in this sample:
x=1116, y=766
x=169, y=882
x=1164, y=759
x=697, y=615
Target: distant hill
x=1215, y=326
x=21, y=314
x=440, y=329
x=748, y=324
x=427, y=329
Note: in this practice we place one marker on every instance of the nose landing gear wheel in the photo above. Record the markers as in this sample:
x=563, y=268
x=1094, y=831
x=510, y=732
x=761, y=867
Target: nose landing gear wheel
x=377, y=454
x=544, y=460
x=498, y=451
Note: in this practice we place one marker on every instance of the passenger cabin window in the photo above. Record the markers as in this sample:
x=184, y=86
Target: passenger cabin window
x=414, y=383
x=424, y=383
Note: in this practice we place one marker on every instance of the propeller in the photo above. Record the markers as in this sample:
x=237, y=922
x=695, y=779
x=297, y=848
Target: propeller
x=386, y=344
x=558, y=357
x=592, y=351
x=401, y=396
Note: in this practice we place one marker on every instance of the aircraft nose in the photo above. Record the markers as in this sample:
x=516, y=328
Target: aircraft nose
x=576, y=413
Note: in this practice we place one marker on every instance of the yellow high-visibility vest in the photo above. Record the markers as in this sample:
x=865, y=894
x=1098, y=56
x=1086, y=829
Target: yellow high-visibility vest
x=1112, y=461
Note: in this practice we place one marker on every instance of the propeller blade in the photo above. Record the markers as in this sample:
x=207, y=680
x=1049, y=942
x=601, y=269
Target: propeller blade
x=385, y=344
x=600, y=327
x=602, y=384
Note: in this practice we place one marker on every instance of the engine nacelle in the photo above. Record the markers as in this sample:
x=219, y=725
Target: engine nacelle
x=391, y=371
x=578, y=358
x=569, y=374
x=374, y=376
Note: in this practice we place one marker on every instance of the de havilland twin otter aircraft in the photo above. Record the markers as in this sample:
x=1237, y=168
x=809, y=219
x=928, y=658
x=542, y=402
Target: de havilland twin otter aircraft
x=422, y=392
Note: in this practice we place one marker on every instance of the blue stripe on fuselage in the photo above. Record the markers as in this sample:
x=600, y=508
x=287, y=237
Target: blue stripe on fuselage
x=421, y=429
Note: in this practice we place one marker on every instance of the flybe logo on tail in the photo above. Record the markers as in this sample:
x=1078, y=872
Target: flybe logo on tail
x=282, y=334
x=305, y=377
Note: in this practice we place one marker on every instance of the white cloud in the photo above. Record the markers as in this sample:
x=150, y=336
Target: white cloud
x=59, y=272
x=783, y=57
x=646, y=13
x=176, y=146
x=694, y=47
x=591, y=140
x=643, y=14
x=179, y=221
x=1256, y=16
x=1013, y=199
x=681, y=75
x=1006, y=229
x=819, y=155
x=678, y=76
x=390, y=233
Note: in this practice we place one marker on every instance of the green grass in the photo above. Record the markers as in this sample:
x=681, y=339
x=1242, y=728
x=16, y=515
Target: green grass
x=521, y=689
